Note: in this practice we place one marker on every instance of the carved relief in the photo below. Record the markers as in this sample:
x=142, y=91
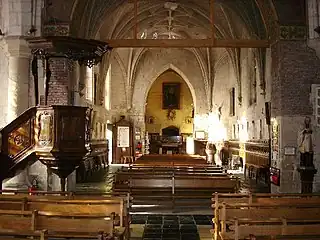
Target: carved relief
x=45, y=125
x=88, y=124
x=56, y=30
x=293, y=32
x=20, y=139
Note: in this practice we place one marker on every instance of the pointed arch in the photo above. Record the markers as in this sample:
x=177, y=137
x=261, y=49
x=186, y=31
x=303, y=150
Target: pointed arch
x=180, y=73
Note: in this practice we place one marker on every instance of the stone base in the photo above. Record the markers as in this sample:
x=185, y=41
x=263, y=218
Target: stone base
x=307, y=177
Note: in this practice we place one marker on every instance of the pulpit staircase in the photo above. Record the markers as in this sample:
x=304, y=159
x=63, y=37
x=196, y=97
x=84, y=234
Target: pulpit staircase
x=58, y=136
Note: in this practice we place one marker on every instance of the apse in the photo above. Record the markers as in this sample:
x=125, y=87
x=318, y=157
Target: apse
x=169, y=104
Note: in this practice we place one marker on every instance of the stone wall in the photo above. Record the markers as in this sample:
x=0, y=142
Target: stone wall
x=295, y=69
x=225, y=79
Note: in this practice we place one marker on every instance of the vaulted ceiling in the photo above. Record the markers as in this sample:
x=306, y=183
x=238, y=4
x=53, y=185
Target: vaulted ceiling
x=190, y=19
x=163, y=19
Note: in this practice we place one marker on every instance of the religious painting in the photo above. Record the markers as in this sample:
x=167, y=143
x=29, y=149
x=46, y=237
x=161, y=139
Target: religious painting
x=171, y=96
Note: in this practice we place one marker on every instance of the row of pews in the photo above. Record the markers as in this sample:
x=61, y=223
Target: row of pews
x=49, y=215
x=266, y=216
x=75, y=216
x=172, y=187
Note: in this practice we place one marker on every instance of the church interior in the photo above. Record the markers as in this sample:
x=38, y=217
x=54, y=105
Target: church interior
x=159, y=119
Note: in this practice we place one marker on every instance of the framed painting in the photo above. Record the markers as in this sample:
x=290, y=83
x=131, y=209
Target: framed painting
x=170, y=95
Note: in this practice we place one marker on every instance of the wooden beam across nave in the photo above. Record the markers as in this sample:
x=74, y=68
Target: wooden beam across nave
x=187, y=43
x=184, y=43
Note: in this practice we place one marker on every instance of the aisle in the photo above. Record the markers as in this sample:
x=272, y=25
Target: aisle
x=180, y=227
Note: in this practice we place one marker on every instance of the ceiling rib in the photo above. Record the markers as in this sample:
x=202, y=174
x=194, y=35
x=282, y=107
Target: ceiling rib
x=187, y=43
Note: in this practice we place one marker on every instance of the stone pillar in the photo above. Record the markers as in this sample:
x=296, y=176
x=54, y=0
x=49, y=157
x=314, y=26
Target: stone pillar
x=59, y=84
x=18, y=57
x=313, y=17
x=294, y=66
x=18, y=54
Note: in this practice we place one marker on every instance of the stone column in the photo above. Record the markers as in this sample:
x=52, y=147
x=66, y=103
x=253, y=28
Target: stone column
x=294, y=66
x=313, y=17
x=18, y=58
x=18, y=54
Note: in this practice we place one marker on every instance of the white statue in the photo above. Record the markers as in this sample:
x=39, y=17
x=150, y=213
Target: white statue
x=305, y=144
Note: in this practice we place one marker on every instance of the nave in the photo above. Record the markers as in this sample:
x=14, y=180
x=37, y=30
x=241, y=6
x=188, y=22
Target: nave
x=160, y=197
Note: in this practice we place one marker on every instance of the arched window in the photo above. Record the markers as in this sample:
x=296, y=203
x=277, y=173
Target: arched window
x=253, y=83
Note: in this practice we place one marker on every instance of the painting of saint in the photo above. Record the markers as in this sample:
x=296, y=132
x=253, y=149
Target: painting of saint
x=171, y=95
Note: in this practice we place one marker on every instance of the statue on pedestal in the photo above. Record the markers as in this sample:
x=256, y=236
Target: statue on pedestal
x=210, y=151
x=305, y=144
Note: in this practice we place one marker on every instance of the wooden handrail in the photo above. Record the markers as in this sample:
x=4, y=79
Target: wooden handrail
x=14, y=125
x=19, y=120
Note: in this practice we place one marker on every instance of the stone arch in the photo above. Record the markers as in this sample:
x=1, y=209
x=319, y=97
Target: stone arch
x=180, y=73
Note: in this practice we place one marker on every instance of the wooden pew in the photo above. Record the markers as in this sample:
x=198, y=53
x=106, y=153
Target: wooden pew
x=175, y=169
x=121, y=177
x=93, y=202
x=259, y=208
x=259, y=212
x=165, y=191
x=274, y=229
x=116, y=205
x=266, y=198
x=175, y=183
x=23, y=235
x=58, y=225
x=173, y=165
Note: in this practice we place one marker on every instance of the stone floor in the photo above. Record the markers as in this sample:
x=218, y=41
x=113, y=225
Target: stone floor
x=165, y=227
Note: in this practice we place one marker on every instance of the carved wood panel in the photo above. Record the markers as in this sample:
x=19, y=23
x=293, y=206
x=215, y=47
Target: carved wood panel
x=20, y=139
x=45, y=129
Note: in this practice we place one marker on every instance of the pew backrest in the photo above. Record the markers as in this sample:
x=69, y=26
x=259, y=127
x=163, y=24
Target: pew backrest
x=243, y=228
x=176, y=183
x=266, y=199
x=118, y=206
x=74, y=223
x=56, y=223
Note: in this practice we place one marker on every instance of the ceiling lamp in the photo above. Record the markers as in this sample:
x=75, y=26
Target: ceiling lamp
x=171, y=5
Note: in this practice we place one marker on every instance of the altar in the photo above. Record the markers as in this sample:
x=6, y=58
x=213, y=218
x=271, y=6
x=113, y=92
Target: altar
x=166, y=144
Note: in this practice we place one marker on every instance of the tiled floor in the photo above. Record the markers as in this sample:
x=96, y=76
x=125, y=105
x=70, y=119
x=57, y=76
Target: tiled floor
x=170, y=227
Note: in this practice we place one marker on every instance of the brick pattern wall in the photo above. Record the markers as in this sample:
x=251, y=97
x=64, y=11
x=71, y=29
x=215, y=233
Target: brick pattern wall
x=60, y=81
x=295, y=68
